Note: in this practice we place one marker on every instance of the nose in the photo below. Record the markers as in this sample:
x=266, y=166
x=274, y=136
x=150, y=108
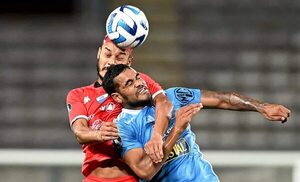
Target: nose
x=111, y=61
x=139, y=83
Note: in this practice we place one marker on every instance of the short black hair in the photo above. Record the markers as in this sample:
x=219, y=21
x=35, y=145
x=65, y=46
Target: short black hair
x=112, y=72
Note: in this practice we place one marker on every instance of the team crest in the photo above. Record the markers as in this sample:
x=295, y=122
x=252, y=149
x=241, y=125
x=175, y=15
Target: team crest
x=184, y=95
x=109, y=107
x=97, y=124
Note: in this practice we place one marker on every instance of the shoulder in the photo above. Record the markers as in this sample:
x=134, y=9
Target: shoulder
x=125, y=119
x=80, y=90
x=145, y=77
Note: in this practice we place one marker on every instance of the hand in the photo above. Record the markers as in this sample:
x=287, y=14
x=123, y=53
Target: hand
x=107, y=131
x=154, y=148
x=275, y=112
x=185, y=114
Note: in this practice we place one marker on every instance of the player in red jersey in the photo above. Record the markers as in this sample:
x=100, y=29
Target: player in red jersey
x=91, y=112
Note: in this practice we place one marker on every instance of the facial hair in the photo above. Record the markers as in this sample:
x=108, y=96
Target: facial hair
x=138, y=103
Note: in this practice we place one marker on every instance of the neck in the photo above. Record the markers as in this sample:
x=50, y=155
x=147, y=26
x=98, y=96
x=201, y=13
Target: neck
x=133, y=107
x=137, y=105
x=99, y=80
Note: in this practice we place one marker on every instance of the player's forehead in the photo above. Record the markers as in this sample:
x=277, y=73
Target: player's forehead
x=127, y=74
x=113, y=49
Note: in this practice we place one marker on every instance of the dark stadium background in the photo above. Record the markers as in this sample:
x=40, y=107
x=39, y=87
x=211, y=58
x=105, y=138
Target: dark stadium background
x=250, y=46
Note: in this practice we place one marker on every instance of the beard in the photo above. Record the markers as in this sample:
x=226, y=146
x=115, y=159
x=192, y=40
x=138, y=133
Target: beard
x=140, y=103
x=101, y=77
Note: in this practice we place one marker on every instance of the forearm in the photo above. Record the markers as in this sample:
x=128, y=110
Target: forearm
x=145, y=168
x=163, y=111
x=229, y=100
x=83, y=133
x=85, y=136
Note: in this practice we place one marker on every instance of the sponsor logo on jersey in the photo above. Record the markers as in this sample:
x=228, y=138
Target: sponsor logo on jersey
x=184, y=95
x=102, y=98
x=180, y=148
x=86, y=99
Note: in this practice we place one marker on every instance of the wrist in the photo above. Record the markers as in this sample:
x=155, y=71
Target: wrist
x=178, y=130
x=98, y=135
x=157, y=134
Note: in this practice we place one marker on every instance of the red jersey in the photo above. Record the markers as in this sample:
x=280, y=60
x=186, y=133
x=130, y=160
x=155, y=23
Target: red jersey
x=96, y=106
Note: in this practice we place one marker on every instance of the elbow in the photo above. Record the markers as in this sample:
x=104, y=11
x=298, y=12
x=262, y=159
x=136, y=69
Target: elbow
x=78, y=137
x=79, y=140
x=144, y=174
x=168, y=107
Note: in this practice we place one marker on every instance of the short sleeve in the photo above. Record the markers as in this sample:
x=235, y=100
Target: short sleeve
x=128, y=135
x=75, y=106
x=180, y=96
x=153, y=86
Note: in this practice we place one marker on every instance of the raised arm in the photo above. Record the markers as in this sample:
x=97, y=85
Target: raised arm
x=236, y=101
x=141, y=164
x=163, y=111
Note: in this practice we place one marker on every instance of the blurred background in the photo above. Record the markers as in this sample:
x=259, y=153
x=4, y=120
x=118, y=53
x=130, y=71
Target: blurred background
x=250, y=46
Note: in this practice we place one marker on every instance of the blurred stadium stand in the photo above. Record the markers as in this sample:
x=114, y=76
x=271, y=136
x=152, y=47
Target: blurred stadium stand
x=247, y=46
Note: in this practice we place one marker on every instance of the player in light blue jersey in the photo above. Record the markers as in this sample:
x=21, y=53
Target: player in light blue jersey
x=182, y=159
x=185, y=162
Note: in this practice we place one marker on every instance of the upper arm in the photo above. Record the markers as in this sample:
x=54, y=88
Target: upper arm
x=214, y=99
x=128, y=133
x=153, y=86
x=80, y=124
x=76, y=108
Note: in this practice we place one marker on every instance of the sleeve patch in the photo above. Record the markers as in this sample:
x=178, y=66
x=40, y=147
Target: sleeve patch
x=184, y=95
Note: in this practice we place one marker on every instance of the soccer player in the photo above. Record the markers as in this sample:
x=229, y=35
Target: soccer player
x=91, y=112
x=135, y=124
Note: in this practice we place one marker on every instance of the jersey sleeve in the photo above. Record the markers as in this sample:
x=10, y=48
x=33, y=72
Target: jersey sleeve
x=75, y=106
x=128, y=134
x=153, y=86
x=180, y=96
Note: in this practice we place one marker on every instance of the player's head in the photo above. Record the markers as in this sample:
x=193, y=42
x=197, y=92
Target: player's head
x=126, y=86
x=109, y=54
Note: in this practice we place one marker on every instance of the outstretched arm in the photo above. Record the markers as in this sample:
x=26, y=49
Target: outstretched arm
x=141, y=164
x=236, y=101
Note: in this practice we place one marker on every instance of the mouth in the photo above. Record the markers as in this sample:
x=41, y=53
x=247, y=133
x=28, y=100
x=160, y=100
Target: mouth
x=142, y=90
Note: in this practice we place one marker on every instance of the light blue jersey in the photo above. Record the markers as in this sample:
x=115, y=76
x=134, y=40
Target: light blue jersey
x=185, y=162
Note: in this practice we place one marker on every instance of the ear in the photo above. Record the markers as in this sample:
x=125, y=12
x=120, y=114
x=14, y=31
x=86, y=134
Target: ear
x=130, y=58
x=99, y=52
x=117, y=97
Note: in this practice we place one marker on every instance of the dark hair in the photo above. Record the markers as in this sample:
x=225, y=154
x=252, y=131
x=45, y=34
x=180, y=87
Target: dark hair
x=112, y=72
